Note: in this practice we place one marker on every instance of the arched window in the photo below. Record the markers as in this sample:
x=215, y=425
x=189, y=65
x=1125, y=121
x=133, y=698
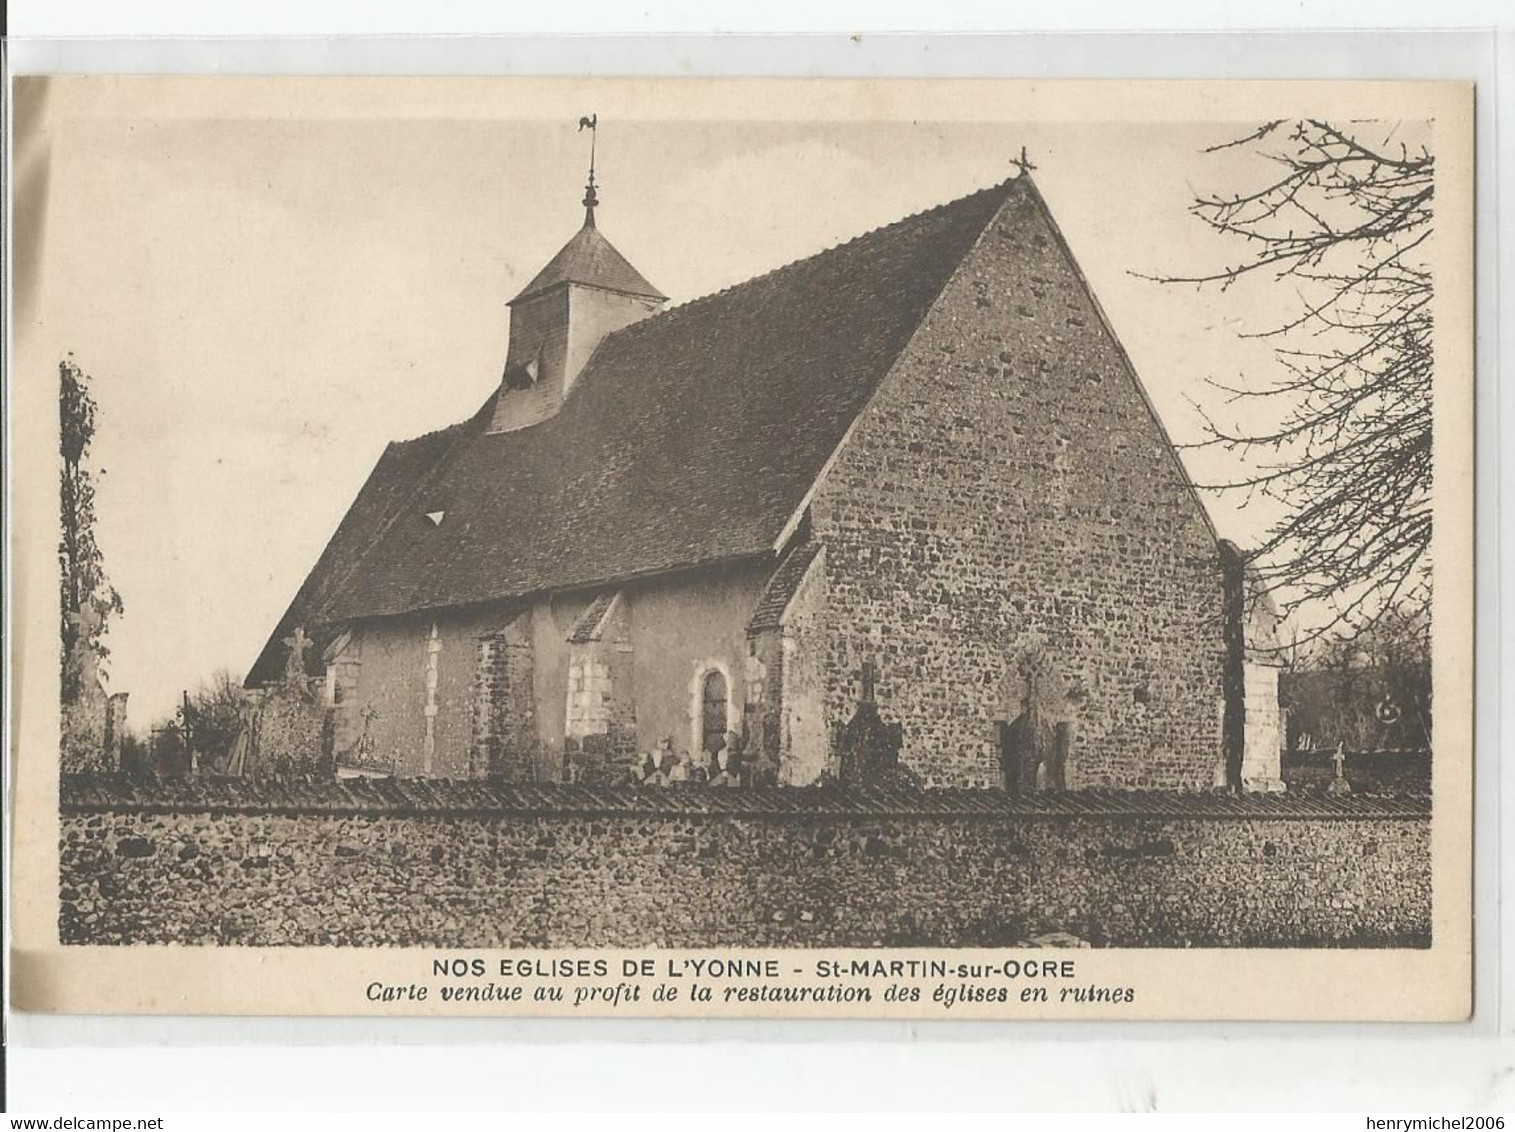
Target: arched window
x=713, y=711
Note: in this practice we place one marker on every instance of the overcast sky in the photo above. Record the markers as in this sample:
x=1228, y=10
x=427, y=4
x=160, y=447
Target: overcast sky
x=267, y=288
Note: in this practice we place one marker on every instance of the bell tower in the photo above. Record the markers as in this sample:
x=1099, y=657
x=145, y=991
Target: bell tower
x=586, y=291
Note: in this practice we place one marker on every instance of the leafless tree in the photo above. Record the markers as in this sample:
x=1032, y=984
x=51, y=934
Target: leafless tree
x=211, y=715
x=1340, y=434
x=1370, y=690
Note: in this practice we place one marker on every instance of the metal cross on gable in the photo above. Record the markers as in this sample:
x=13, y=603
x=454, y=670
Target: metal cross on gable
x=1023, y=162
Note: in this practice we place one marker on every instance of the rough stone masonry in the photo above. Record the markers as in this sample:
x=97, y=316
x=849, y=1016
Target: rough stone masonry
x=1008, y=492
x=460, y=865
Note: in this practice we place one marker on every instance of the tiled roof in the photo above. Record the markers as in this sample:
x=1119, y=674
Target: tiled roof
x=690, y=437
x=398, y=479
x=591, y=259
x=88, y=793
x=779, y=591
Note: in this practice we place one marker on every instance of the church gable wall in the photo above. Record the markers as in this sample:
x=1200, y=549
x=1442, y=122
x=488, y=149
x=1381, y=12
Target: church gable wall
x=1007, y=495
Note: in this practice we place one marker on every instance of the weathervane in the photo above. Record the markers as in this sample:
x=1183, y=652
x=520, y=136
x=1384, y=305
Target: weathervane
x=591, y=198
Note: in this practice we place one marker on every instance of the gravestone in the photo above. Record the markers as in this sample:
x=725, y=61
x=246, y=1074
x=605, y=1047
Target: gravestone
x=868, y=749
x=364, y=756
x=286, y=735
x=115, y=728
x=1339, y=784
x=239, y=762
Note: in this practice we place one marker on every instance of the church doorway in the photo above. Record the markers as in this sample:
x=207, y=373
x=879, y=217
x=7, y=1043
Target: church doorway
x=1030, y=759
x=1017, y=756
x=713, y=723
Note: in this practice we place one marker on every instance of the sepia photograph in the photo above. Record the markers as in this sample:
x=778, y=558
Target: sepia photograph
x=551, y=517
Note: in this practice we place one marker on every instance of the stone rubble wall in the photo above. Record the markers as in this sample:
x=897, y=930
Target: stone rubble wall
x=798, y=874
x=1009, y=493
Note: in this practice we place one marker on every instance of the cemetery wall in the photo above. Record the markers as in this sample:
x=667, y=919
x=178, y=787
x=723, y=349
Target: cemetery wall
x=468, y=865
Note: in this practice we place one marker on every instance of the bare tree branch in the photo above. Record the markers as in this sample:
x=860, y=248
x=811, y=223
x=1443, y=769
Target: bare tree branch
x=1346, y=449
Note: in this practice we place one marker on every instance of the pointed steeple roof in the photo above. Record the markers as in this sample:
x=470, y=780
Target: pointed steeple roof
x=590, y=260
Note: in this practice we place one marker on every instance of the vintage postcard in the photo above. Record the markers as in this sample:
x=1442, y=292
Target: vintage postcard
x=931, y=549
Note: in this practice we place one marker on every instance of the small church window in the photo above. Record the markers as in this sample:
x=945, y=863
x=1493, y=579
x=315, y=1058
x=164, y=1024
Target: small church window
x=713, y=711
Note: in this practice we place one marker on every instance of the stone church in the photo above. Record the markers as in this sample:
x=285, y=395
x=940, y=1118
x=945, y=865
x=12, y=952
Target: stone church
x=914, y=476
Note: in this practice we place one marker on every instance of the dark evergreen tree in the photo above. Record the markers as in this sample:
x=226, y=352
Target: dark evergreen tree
x=86, y=598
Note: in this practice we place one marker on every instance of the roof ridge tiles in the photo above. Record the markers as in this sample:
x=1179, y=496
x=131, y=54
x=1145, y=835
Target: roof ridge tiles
x=456, y=426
